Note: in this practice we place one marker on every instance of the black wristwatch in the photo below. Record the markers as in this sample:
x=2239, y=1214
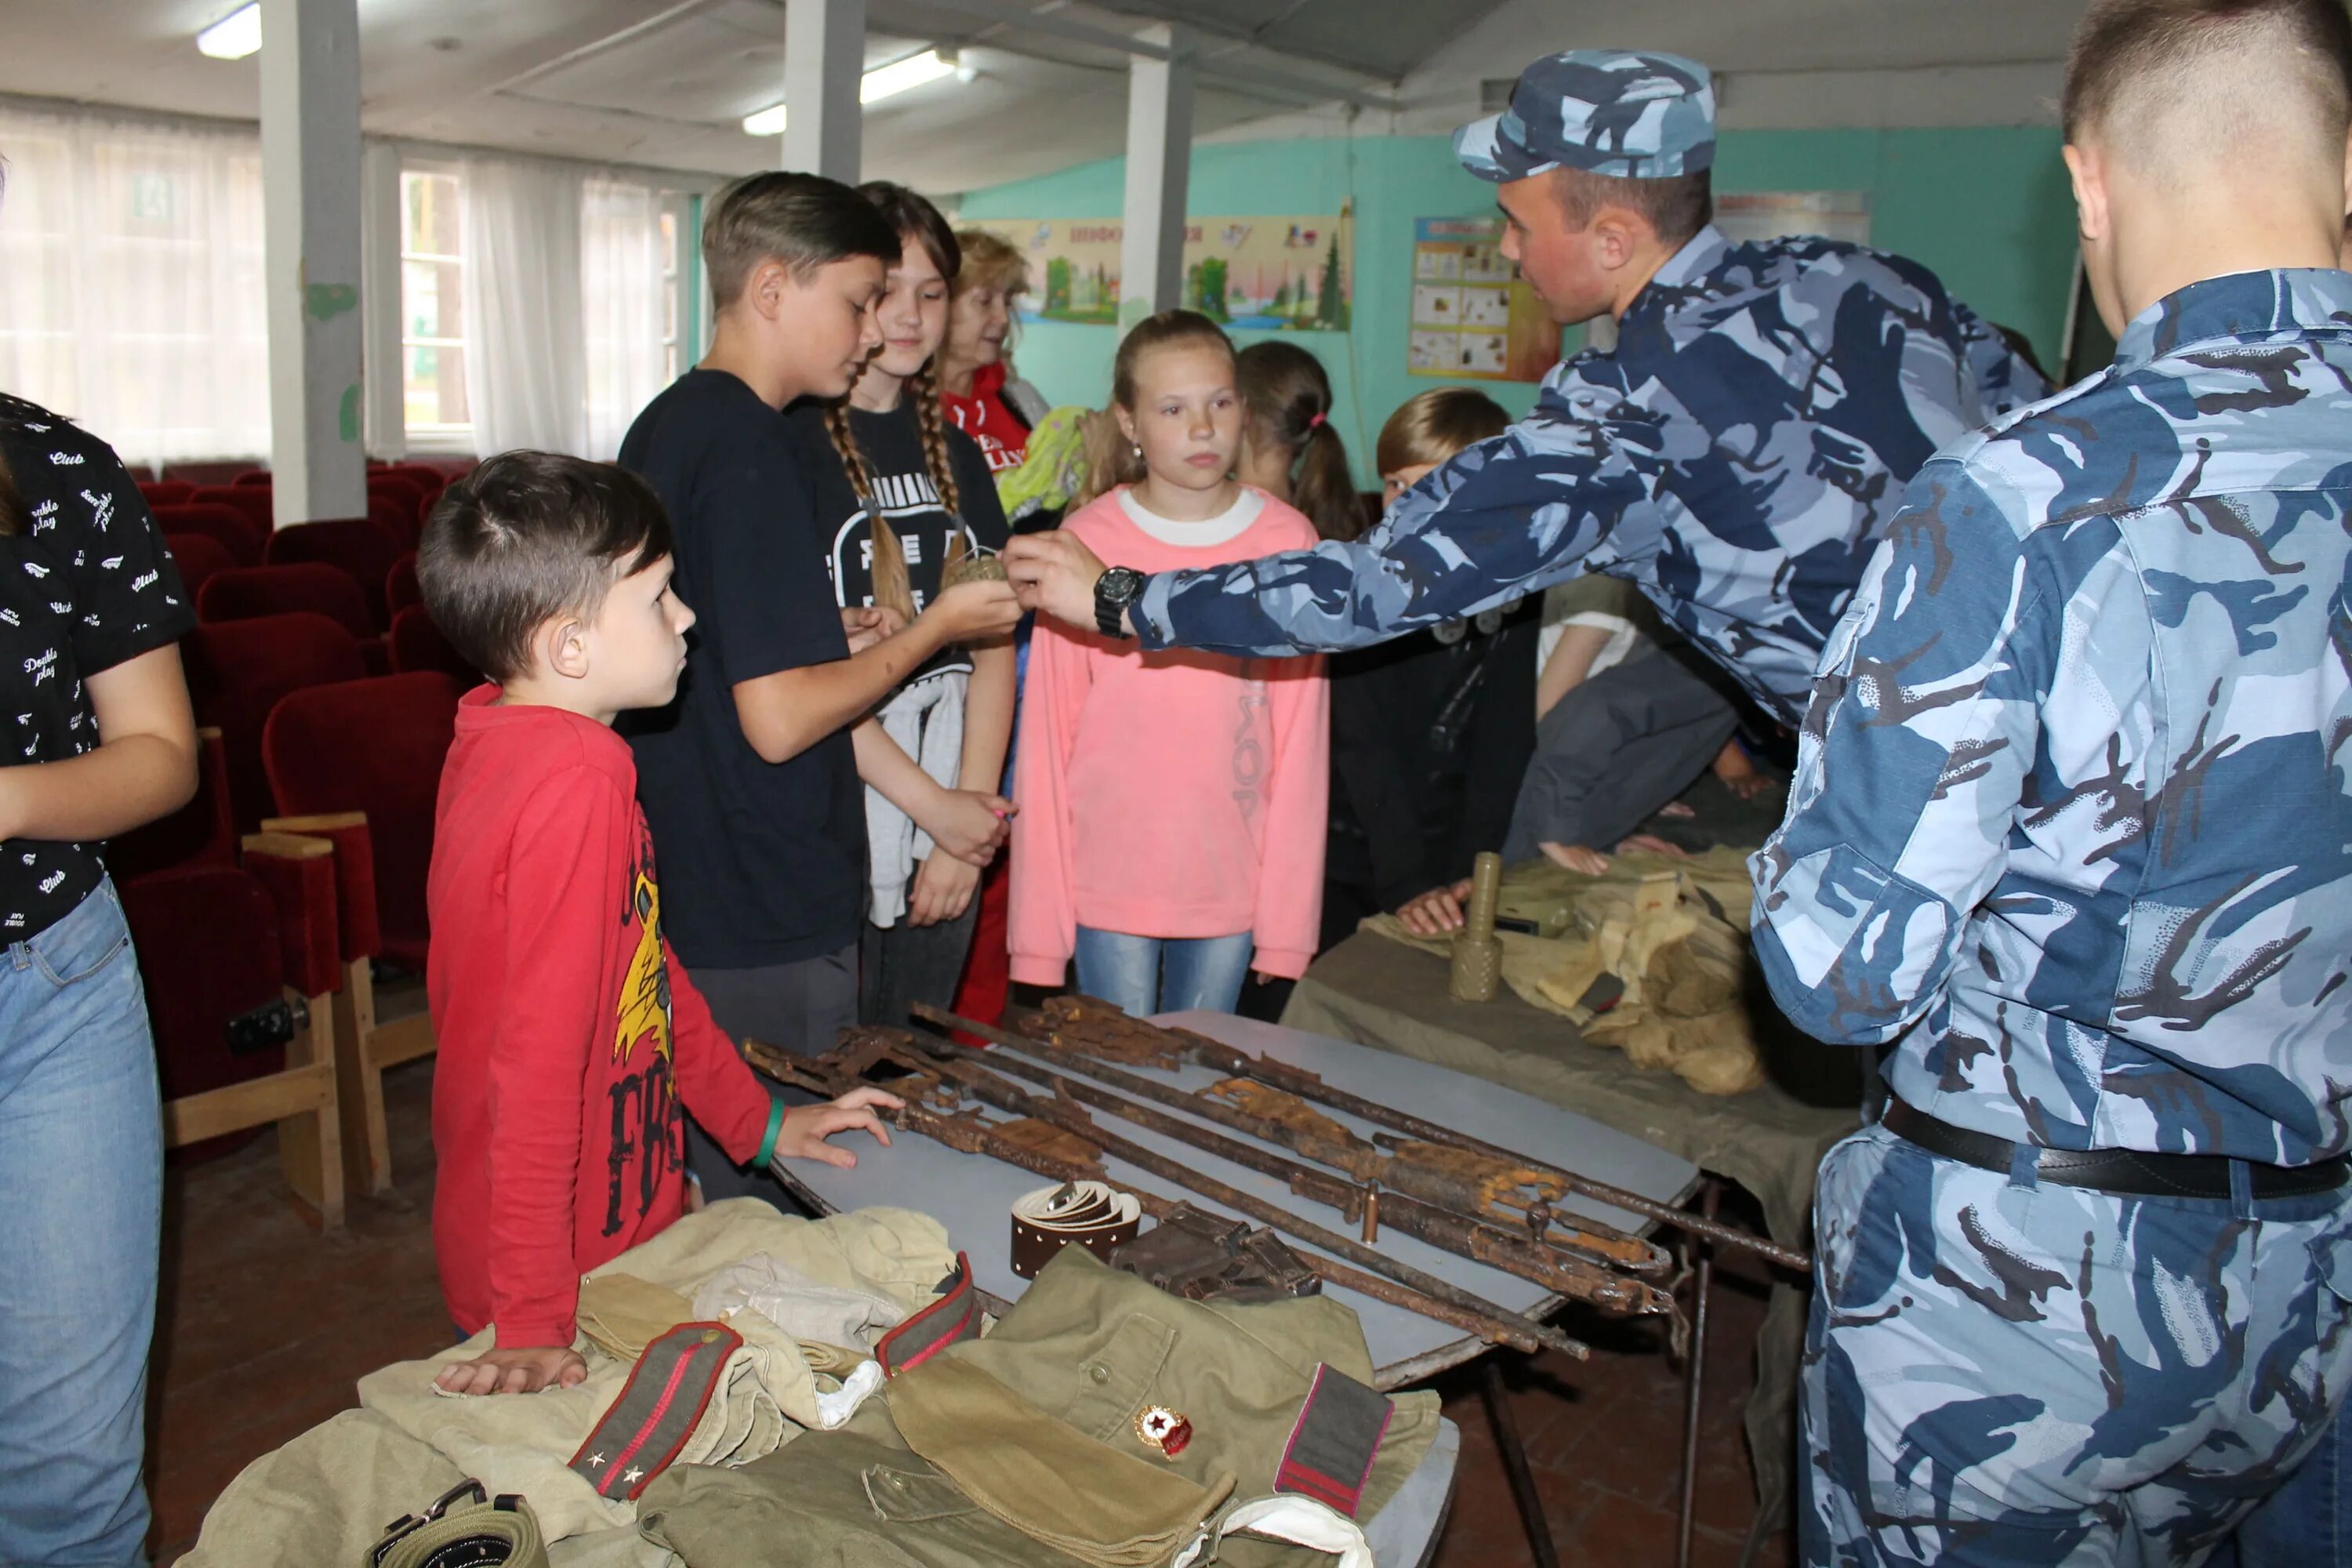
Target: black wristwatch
x=1115, y=590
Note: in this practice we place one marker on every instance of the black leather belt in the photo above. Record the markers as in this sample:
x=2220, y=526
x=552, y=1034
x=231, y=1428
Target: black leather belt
x=2128, y=1173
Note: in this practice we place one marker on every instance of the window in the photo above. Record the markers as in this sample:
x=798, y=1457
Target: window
x=670, y=345
x=432, y=309
x=131, y=282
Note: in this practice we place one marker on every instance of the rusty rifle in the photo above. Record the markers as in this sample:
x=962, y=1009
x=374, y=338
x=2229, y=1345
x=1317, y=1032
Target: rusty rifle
x=968, y=1134
x=1530, y=1256
x=1092, y=1027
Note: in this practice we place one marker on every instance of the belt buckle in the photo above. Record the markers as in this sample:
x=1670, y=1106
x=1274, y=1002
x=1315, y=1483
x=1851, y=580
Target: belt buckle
x=470, y=1491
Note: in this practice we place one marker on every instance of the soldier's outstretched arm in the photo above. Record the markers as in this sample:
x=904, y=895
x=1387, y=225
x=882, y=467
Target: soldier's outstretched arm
x=1532, y=507
x=1925, y=717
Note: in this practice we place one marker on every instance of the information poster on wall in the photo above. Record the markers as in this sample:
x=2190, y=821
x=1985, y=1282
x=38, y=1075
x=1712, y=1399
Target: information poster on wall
x=1781, y=215
x=1280, y=274
x=1471, y=317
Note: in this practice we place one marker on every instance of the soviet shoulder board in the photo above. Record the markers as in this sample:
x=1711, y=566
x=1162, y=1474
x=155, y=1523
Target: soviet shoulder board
x=659, y=1407
x=953, y=1317
x=1333, y=1442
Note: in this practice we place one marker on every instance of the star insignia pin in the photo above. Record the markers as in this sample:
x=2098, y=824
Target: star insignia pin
x=1164, y=1430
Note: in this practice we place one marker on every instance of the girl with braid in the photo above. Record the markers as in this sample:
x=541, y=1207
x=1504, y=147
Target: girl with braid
x=902, y=495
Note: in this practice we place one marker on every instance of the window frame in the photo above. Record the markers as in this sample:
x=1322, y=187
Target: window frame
x=435, y=437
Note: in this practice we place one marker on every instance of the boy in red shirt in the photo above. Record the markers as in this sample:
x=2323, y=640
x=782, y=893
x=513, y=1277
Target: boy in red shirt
x=569, y=1034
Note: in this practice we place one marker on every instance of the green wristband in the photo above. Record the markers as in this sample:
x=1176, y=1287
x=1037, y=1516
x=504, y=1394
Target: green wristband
x=775, y=1125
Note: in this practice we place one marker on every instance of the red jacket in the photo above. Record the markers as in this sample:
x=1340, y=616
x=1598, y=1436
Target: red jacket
x=985, y=417
x=568, y=1031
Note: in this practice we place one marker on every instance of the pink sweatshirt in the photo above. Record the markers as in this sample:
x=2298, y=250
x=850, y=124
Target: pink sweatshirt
x=1172, y=794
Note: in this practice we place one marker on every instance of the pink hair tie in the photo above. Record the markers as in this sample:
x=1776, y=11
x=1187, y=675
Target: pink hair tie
x=1316, y=422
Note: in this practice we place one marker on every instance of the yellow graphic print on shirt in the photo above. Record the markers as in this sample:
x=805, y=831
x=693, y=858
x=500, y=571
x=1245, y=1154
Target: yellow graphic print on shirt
x=645, y=990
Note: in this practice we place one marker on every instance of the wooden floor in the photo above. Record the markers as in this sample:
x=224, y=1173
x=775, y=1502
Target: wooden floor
x=267, y=1325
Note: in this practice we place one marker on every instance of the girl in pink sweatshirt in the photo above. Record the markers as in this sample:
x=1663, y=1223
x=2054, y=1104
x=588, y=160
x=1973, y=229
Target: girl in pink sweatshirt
x=1171, y=834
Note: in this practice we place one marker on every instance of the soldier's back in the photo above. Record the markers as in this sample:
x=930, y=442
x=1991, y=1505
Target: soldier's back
x=2163, y=961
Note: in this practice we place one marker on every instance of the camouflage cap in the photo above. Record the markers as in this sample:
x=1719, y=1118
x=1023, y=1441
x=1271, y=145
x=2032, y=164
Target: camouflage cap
x=1634, y=113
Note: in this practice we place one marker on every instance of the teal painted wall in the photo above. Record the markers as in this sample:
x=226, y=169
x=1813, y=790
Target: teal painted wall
x=1986, y=207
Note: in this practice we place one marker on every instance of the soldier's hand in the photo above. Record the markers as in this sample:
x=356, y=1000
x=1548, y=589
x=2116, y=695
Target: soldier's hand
x=1580, y=858
x=514, y=1371
x=942, y=889
x=807, y=1127
x=1055, y=573
x=1436, y=911
x=866, y=625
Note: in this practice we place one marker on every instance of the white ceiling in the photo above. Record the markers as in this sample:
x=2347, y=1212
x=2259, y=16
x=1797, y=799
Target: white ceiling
x=664, y=82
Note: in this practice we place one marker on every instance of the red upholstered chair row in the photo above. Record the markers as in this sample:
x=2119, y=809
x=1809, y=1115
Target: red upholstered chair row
x=238, y=670
x=301, y=587
x=417, y=645
x=401, y=588
x=252, y=476
x=360, y=547
x=223, y=928
x=224, y=525
x=253, y=501
x=199, y=557
x=165, y=493
x=359, y=764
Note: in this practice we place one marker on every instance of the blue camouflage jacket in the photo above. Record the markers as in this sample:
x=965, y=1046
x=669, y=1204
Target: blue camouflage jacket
x=1738, y=457
x=2072, y=819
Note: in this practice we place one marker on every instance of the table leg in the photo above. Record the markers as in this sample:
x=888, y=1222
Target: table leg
x=1515, y=1464
x=1710, y=1194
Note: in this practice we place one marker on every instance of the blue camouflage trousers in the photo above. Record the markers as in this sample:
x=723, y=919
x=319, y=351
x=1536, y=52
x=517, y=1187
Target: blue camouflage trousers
x=2000, y=1371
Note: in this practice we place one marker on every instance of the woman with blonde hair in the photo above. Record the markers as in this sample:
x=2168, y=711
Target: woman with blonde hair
x=975, y=366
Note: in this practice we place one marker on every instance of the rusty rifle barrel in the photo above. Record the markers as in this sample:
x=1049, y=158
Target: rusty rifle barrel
x=930, y=1124
x=1467, y=1236
x=1281, y=1075
x=993, y=1089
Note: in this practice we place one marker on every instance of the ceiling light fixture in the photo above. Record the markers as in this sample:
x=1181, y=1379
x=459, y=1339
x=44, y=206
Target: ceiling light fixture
x=234, y=36
x=881, y=82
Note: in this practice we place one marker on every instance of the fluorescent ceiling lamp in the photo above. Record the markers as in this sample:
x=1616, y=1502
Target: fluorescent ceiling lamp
x=881, y=82
x=234, y=36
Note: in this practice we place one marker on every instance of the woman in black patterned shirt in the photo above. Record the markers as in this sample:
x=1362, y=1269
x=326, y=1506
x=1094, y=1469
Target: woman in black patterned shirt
x=95, y=739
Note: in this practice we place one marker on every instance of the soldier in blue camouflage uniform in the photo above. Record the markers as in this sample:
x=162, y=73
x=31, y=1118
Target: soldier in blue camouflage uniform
x=2072, y=829
x=1737, y=456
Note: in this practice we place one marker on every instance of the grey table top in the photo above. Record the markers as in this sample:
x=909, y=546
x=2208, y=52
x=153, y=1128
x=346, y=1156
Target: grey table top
x=973, y=1195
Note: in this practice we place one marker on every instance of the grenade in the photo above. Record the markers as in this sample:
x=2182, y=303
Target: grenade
x=1477, y=950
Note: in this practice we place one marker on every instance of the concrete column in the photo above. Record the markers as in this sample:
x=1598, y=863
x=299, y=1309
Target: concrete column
x=1159, y=166
x=310, y=183
x=384, y=424
x=824, y=64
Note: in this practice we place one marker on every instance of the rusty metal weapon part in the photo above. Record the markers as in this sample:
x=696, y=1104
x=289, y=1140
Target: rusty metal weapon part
x=1514, y=1196
x=1089, y=1027
x=924, y=1087
x=1366, y=1207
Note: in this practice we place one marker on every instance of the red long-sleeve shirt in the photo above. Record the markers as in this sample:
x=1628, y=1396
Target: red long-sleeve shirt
x=568, y=1032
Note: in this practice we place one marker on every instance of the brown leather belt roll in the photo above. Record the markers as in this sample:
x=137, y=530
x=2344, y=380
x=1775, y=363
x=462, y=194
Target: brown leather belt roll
x=2127, y=1172
x=1094, y=1215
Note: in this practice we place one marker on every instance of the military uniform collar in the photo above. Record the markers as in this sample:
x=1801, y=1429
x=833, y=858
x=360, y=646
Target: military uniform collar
x=2242, y=304
x=1696, y=259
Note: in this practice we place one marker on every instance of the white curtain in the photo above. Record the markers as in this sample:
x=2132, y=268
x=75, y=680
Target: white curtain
x=622, y=259
x=132, y=284
x=526, y=373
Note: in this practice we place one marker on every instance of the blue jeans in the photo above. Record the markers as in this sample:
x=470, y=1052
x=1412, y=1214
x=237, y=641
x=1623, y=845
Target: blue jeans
x=2307, y=1523
x=81, y=1195
x=1148, y=974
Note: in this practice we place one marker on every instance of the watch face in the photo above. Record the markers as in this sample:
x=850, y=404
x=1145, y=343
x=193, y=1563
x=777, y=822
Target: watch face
x=1119, y=583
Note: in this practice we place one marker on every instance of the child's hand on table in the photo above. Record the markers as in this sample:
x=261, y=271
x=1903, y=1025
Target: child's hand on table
x=807, y=1127
x=514, y=1370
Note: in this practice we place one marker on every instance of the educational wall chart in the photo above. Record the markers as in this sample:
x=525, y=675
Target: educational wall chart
x=1471, y=317
x=1282, y=274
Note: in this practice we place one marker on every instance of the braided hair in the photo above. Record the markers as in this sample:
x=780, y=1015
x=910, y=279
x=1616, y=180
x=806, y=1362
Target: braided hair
x=915, y=219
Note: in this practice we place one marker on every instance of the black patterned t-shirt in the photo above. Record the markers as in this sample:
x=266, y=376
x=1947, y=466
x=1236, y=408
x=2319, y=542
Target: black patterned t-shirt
x=84, y=584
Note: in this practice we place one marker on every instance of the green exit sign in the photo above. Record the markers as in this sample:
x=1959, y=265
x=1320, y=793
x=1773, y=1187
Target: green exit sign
x=151, y=197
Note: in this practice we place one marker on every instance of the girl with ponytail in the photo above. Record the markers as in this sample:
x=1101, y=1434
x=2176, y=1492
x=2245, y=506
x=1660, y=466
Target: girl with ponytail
x=901, y=497
x=1290, y=449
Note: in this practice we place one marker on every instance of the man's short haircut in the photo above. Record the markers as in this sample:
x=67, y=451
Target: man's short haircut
x=1435, y=425
x=805, y=221
x=525, y=538
x=1677, y=207
x=2134, y=58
